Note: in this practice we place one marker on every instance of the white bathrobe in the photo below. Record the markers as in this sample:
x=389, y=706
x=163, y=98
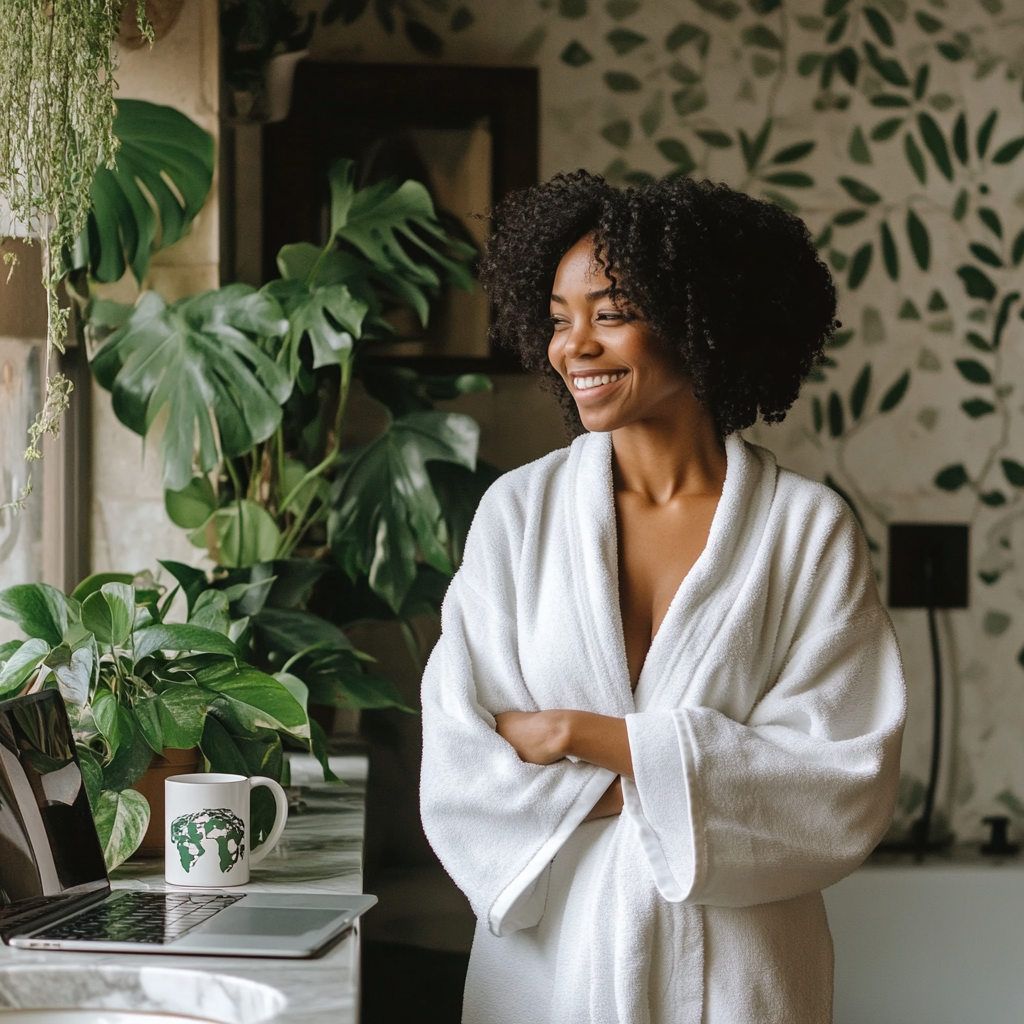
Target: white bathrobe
x=765, y=734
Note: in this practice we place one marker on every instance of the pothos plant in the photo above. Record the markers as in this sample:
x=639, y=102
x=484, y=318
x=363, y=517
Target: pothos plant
x=135, y=684
x=57, y=84
x=255, y=386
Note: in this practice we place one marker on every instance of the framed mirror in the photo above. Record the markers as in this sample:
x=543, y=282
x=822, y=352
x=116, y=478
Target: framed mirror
x=469, y=134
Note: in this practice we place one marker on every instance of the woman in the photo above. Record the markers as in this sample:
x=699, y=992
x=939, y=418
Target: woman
x=666, y=707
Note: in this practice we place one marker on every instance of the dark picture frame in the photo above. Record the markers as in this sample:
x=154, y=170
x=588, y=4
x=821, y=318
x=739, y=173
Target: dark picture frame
x=339, y=109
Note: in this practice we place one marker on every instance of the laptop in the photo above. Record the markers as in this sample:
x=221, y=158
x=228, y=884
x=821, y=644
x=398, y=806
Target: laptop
x=54, y=889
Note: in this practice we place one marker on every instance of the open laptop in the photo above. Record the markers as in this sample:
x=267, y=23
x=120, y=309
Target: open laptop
x=54, y=890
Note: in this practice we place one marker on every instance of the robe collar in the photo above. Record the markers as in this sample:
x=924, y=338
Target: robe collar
x=704, y=597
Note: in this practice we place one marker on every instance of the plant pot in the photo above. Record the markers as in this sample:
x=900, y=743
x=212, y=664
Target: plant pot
x=277, y=82
x=151, y=786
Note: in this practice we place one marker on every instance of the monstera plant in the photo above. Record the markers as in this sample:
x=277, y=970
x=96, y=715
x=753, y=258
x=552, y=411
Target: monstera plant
x=136, y=684
x=254, y=388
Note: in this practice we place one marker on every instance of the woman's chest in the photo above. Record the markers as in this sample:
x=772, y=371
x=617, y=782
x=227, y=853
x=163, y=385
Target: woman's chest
x=658, y=545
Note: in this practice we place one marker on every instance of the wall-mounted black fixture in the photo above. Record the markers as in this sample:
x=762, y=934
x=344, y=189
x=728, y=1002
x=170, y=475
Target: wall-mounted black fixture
x=998, y=844
x=928, y=568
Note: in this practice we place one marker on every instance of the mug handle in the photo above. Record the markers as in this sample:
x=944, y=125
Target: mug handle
x=279, y=821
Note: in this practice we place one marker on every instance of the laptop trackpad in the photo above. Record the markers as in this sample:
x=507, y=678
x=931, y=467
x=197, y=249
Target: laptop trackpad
x=269, y=921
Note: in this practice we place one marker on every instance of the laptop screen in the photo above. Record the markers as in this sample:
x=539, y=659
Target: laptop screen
x=48, y=842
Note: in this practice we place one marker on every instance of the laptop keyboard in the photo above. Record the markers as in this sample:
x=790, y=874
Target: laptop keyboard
x=153, y=918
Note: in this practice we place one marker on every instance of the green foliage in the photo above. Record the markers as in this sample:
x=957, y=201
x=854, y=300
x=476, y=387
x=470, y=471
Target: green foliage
x=860, y=192
x=622, y=81
x=196, y=357
x=895, y=394
x=973, y=371
x=920, y=242
x=952, y=478
x=257, y=384
x=623, y=40
x=859, y=394
x=890, y=256
x=915, y=158
x=172, y=158
x=576, y=55
x=135, y=685
x=977, y=284
x=384, y=506
x=860, y=265
x=57, y=97
x=936, y=144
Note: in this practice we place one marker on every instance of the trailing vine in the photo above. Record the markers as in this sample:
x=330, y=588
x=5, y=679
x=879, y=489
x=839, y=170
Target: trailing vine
x=57, y=110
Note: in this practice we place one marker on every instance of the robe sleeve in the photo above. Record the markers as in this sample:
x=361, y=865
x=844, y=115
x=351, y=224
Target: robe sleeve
x=494, y=821
x=792, y=799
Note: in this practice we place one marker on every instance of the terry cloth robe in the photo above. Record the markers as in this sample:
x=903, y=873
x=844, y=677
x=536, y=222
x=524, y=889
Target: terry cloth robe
x=765, y=736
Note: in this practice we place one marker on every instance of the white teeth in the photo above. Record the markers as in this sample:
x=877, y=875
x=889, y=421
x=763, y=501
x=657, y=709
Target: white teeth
x=585, y=383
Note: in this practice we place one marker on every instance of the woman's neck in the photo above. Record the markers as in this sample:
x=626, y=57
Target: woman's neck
x=667, y=456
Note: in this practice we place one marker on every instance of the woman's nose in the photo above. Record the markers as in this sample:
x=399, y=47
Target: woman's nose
x=581, y=339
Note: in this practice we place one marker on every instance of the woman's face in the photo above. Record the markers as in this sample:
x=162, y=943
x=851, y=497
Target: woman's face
x=618, y=372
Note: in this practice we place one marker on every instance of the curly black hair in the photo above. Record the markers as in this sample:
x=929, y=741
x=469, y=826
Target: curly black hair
x=732, y=283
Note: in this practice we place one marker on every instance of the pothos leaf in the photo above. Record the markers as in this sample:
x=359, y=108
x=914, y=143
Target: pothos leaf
x=256, y=699
x=239, y=534
x=20, y=665
x=121, y=822
x=40, y=610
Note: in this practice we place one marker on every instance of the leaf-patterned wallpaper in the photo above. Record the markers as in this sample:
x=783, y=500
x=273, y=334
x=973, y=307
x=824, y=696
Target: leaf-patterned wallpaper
x=895, y=128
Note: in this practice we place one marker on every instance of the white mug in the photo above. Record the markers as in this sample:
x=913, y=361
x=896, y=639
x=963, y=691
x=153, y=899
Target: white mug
x=207, y=839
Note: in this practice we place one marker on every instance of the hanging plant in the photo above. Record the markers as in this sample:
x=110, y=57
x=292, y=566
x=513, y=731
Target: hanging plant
x=56, y=127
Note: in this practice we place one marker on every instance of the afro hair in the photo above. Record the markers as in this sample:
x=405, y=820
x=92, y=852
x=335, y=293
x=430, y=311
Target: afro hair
x=734, y=284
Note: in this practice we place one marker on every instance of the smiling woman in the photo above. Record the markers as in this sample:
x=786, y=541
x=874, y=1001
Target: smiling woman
x=666, y=707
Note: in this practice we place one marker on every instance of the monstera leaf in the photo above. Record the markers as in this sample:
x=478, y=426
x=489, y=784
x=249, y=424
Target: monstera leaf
x=327, y=313
x=395, y=228
x=197, y=358
x=147, y=201
x=384, y=506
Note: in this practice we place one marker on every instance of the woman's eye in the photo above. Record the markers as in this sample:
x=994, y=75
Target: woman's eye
x=609, y=316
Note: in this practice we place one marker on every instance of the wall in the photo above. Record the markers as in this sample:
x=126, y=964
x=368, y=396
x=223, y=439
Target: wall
x=895, y=131
x=130, y=527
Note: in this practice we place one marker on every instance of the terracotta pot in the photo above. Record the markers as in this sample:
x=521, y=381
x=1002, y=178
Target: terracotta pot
x=162, y=16
x=151, y=786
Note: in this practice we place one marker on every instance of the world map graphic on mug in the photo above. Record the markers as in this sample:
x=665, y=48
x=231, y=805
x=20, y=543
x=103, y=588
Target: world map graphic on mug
x=219, y=824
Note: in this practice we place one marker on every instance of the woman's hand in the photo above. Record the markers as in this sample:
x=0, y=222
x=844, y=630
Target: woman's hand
x=544, y=737
x=538, y=737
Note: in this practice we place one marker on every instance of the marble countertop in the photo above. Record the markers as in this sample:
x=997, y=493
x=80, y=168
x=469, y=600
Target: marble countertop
x=319, y=852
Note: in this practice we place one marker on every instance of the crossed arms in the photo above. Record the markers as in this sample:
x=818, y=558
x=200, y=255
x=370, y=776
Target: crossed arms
x=544, y=737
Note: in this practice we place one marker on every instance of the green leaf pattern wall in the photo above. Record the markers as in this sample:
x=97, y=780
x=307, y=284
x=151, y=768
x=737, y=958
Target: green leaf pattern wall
x=896, y=130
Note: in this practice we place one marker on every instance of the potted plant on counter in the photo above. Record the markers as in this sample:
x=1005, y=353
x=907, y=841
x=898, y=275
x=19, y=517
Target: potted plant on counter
x=139, y=687
x=254, y=458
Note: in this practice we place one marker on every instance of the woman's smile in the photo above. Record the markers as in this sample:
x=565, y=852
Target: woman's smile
x=593, y=383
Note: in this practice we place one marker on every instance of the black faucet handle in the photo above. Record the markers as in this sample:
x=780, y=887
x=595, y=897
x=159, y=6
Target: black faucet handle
x=998, y=845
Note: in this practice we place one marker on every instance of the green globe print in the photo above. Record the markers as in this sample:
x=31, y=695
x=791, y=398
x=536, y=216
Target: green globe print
x=219, y=824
